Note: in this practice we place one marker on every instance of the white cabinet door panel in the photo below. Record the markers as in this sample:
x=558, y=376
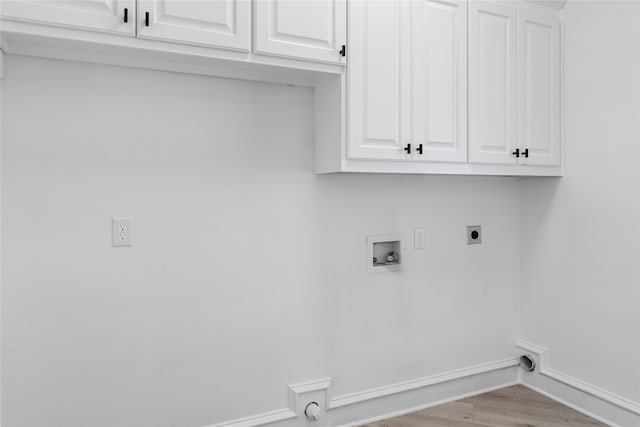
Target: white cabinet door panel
x=492, y=83
x=378, y=80
x=539, y=88
x=311, y=29
x=211, y=23
x=439, y=79
x=98, y=15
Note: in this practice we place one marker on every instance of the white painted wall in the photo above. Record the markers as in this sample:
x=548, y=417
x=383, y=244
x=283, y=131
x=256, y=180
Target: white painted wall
x=580, y=234
x=247, y=271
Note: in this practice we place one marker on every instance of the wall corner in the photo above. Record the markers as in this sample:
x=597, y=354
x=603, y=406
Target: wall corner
x=1, y=64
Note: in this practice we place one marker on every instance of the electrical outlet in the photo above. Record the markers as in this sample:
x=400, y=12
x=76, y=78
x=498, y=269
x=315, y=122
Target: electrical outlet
x=121, y=231
x=474, y=235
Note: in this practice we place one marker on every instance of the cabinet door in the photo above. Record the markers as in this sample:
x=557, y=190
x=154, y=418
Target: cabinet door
x=98, y=15
x=439, y=79
x=492, y=83
x=378, y=79
x=539, y=88
x=313, y=30
x=211, y=23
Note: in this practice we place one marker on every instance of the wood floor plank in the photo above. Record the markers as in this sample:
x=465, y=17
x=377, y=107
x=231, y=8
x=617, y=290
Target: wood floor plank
x=459, y=410
x=515, y=406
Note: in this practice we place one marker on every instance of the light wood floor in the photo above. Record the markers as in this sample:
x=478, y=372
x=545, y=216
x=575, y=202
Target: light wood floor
x=515, y=406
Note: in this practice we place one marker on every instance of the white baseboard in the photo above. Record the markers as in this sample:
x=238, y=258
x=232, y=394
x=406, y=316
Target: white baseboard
x=430, y=405
x=355, y=409
x=396, y=399
x=260, y=419
x=361, y=396
x=586, y=398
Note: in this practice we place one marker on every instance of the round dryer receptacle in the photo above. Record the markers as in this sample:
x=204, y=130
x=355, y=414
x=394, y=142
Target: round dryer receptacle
x=312, y=411
x=527, y=362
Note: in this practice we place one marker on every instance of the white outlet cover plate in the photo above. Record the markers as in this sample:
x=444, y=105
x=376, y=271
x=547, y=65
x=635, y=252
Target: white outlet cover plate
x=121, y=232
x=418, y=238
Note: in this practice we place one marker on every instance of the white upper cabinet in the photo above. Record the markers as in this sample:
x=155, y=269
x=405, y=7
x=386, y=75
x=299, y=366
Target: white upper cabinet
x=514, y=85
x=439, y=80
x=109, y=16
x=446, y=87
x=492, y=83
x=210, y=23
x=377, y=79
x=539, y=88
x=430, y=86
x=314, y=30
x=407, y=80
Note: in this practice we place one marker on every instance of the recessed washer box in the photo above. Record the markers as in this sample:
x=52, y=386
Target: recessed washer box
x=385, y=253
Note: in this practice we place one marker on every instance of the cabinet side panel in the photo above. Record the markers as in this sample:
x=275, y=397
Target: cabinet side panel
x=329, y=124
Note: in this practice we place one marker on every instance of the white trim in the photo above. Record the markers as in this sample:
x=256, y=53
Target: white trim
x=571, y=405
x=580, y=385
x=301, y=394
x=555, y=4
x=376, y=393
x=259, y=420
x=436, y=168
x=339, y=406
x=431, y=404
x=405, y=395
x=309, y=386
x=145, y=59
x=2, y=64
x=90, y=40
x=26, y=39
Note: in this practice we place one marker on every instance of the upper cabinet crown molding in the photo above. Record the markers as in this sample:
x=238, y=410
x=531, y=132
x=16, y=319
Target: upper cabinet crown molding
x=556, y=4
